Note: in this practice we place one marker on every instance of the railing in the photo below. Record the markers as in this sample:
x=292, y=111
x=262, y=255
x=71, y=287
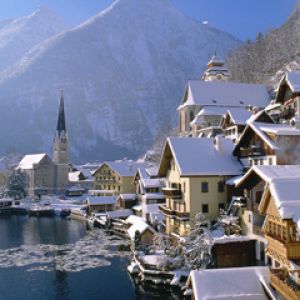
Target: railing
x=183, y=216
x=106, y=181
x=284, y=285
x=251, y=151
x=172, y=193
x=290, y=250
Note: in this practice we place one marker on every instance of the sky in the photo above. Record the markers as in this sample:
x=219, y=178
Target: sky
x=242, y=18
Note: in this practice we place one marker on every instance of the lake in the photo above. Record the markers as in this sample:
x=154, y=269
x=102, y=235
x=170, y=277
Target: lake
x=54, y=258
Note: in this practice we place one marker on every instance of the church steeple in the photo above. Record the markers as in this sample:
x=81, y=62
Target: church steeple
x=60, y=142
x=61, y=122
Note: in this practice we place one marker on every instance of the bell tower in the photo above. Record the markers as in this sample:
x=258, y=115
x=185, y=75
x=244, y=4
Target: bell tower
x=60, y=142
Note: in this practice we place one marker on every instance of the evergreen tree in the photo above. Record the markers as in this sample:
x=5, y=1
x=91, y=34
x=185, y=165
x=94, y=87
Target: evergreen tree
x=16, y=185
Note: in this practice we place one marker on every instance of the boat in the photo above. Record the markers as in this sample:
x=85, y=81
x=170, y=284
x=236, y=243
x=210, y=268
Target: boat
x=78, y=214
x=41, y=211
x=6, y=206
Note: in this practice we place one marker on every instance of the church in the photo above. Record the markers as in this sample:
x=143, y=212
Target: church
x=46, y=175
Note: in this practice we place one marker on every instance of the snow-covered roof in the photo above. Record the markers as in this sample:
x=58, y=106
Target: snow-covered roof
x=286, y=195
x=200, y=156
x=215, y=59
x=124, y=167
x=102, y=200
x=263, y=129
x=292, y=78
x=138, y=224
x=269, y=173
x=220, y=93
x=237, y=283
x=239, y=116
x=128, y=197
x=149, y=196
x=122, y=213
x=213, y=111
x=74, y=176
x=29, y=160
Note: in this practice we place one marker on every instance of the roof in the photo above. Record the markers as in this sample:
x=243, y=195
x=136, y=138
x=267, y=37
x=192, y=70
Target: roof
x=101, y=200
x=138, y=224
x=200, y=156
x=292, y=78
x=262, y=129
x=212, y=111
x=61, y=123
x=220, y=93
x=269, y=173
x=237, y=283
x=239, y=116
x=127, y=196
x=29, y=160
x=215, y=59
x=124, y=167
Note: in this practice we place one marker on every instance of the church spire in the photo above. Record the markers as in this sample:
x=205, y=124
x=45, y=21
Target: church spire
x=61, y=122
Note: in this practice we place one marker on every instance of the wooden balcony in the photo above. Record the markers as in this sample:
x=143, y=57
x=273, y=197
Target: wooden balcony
x=172, y=193
x=183, y=216
x=284, y=285
x=251, y=151
x=289, y=250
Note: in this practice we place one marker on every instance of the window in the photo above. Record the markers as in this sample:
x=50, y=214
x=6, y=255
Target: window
x=184, y=187
x=191, y=116
x=205, y=208
x=221, y=206
x=119, y=188
x=204, y=187
x=221, y=187
x=270, y=161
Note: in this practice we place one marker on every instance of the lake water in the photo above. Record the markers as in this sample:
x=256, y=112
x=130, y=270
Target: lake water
x=53, y=258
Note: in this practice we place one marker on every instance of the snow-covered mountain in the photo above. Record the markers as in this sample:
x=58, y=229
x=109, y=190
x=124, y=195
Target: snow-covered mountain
x=123, y=73
x=17, y=36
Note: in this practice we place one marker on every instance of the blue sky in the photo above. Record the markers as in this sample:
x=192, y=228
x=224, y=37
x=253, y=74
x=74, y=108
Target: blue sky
x=242, y=18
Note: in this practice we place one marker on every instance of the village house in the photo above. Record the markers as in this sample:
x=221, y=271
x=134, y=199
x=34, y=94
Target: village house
x=234, y=122
x=100, y=204
x=46, y=175
x=149, y=193
x=126, y=201
x=281, y=206
x=253, y=183
x=196, y=170
x=116, y=177
x=268, y=144
x=288, y=95
x=217, y=95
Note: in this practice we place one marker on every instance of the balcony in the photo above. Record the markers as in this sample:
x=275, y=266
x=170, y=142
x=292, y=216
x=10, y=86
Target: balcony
x=106, y=181
x=289, y=250
x=183, y=216
x=172, y=193
x=251, y=151
x=284, y=285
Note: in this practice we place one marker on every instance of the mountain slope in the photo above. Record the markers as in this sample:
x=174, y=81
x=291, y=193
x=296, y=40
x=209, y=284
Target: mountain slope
x=123, y=72
x=260, y=60
x=20, y=35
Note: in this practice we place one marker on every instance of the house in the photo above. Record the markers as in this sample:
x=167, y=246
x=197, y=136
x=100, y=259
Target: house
x=82, y=178
x=149, y=193
x=281, y=206
x=46, y=175
x=234, y=122
x=116, y=177
x=196, y=170
x=230, y=283
x=40, y=171
x=126, y=201
x=100, y=204
x=268, y=144
x=212, y=92
x=253, y=183
x=137, y=224
x=288, y=94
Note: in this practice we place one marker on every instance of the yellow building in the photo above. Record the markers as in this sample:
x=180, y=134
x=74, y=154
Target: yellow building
x=116, y=177
x=196, y=170
x=281, y=205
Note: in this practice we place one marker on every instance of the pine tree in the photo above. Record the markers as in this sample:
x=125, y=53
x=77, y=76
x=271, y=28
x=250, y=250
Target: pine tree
x=16, y=185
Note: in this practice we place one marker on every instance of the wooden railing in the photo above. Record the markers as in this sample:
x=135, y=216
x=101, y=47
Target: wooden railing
x=172, y=193
x=289, y=250
x=174, y=213
x=251, y=151
x=284, y=285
